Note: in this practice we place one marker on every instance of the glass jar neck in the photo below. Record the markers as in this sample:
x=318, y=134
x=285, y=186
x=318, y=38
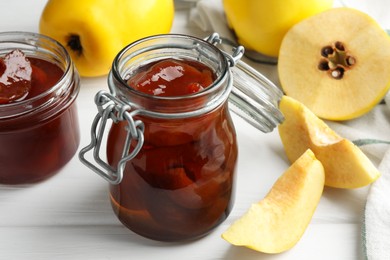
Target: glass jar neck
x=41, y=47
x=161, y=47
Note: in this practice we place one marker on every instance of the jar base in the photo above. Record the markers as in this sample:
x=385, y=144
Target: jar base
x=143, y=224
x=38, y=153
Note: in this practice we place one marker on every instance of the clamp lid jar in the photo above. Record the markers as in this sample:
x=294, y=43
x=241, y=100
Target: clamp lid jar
x=171, y=159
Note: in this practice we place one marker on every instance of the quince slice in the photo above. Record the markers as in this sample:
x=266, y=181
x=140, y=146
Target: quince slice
x=336, y=63
x=276, y=223
x=346, y=166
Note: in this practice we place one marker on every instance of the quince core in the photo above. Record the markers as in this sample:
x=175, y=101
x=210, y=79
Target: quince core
x=346, y=166
x=336, y=63
x=276, y=223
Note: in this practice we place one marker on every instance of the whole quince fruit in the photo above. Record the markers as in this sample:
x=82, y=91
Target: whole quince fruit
x=94, y=31
x=260, y=25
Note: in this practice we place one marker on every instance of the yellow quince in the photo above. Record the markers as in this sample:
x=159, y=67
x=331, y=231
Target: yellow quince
x=94, y=31
x=260, y=25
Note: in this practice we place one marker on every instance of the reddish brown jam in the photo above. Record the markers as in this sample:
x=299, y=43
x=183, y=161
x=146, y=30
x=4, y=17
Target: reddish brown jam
x=15, y=77
x=180, y=185
x=33, y=145
x=172, y=78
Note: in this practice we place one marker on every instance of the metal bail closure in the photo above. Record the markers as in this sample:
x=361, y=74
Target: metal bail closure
x=254, y=97
x=110, y=107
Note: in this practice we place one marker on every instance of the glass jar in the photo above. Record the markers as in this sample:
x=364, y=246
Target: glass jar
x=39, y=135
x=172, y=160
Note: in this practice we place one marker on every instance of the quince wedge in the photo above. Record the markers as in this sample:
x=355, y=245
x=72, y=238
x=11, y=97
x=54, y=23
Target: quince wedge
x=276, y=223
x=346, y=166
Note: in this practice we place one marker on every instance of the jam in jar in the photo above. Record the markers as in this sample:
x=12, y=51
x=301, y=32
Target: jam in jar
x=39, y=130
x=171, y=148
x=180, y=184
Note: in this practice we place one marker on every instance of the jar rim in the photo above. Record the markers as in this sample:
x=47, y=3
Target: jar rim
x=35, y=42
x=115, y=71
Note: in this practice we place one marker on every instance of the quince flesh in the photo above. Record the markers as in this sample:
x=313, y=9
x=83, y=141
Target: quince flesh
x=346, y=166
x=276, y=223
x=336, y=63
x=94, y=31
x=261, y=24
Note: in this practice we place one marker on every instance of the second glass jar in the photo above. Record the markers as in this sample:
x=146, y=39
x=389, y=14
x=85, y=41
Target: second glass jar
x=39, y=134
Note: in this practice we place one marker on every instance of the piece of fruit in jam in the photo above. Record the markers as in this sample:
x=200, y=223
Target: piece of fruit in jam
x=172, y=77
x=15, y=79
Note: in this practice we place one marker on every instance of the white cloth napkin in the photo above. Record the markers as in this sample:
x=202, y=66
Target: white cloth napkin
x=376, y=229
x=369, y=131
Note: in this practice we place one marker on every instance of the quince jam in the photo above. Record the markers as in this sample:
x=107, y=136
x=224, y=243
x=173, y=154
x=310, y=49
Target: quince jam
x=38, y=131
x=171, y=78
x=180, y=185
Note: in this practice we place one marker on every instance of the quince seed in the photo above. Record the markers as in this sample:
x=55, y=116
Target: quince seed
x=326, y=51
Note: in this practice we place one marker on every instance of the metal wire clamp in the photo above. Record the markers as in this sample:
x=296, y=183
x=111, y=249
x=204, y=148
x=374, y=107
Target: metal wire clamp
x=110, y=107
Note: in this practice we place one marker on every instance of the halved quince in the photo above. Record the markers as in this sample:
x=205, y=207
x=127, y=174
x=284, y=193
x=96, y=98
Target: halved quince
x=346, y=166
x=276, y=223
x=336, y=63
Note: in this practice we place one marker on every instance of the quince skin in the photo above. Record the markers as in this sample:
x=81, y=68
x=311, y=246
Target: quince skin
x=276, y=223
x=94, y=31
x=346, y=166
x=260, y=25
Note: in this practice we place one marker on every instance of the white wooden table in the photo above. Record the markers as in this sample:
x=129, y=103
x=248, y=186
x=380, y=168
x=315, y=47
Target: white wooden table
x=69, y=216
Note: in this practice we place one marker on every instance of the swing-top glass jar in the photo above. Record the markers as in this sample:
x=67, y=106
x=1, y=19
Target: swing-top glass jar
x=172, y=146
